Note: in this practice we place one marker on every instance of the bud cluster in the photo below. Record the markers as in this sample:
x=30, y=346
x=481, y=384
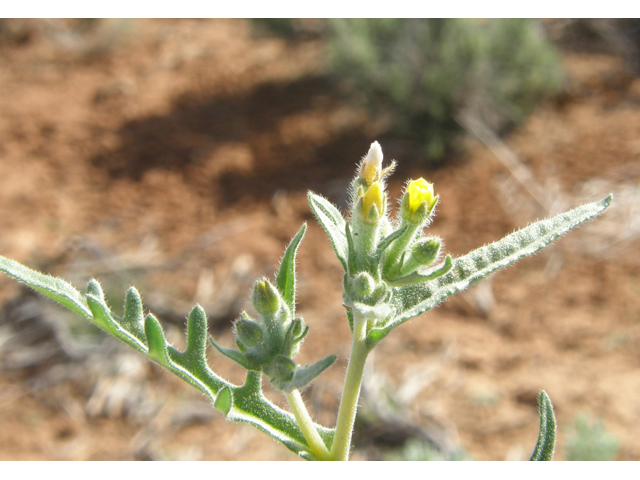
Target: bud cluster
x=383, y=254
x=269, y=342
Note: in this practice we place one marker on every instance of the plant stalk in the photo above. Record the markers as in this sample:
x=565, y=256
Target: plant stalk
x=351, y=393
x=311, y=435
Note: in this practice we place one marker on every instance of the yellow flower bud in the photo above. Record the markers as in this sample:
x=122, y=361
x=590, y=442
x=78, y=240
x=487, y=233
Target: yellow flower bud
x=371, y=169
x=373, y=196
x=420, y=191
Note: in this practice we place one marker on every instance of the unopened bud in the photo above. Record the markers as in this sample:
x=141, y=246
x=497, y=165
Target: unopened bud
x=265, y=298
x=371, y=170
x=363, y=285
x=373, y=197
x=282, y=369
x=418, y=201
x=426, y=251
x=248, y=331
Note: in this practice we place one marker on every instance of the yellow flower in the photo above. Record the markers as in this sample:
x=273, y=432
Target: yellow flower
x=373, y=196
x=420, y=191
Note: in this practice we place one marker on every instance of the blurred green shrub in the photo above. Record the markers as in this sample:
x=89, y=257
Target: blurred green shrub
x=416, y=450
x=419, y=76
x=591, y=441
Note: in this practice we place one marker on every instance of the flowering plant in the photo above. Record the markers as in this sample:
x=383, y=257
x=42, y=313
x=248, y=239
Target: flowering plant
x=392, y=273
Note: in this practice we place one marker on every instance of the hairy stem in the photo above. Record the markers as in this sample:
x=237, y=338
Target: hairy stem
x=351, y=392
x=317, y=446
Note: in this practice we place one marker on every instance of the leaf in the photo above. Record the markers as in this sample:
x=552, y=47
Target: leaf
x=244, y=403
x=286, y=278
x=333, y=223
x=546, y=445
x=303, y=376
x=414, y=300
x=237, y=356
x=52, y=287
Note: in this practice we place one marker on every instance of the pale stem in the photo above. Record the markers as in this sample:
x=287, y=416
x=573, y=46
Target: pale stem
x=351, y=392
x=311, y=435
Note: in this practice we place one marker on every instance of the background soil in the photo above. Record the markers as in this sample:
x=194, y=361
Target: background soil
x=176, y=156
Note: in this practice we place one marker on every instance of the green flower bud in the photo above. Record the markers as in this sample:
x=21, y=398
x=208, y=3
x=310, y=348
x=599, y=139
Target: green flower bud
x=248, y=332
x=281, y=370
x=425, y=251
x=265, y=298
x=362, y=285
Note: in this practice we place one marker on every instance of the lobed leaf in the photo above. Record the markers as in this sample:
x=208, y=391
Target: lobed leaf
x=546, y=444
x=245, y=403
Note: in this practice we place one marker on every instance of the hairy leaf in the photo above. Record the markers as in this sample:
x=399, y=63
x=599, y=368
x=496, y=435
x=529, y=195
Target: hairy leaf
x=286, y=278
x=546, y=445
x=333, y=223
x=52, y=287
x=245, y=403
x=411, y=301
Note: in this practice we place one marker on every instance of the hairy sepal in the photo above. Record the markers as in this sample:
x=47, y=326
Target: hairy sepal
x=245, y=403
x=413, y=300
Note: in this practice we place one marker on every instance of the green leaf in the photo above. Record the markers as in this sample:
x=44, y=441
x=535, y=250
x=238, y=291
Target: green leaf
x=416, y=277
x=237, y=356
x=333, y=223
x=286, y=278
x=546, y=445
x=303, y=376
x=245, y=403
x=52, y=287
x=414, y=300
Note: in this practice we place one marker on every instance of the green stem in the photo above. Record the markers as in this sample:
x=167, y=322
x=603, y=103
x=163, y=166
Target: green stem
x=351, y=392
x=311, y=435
